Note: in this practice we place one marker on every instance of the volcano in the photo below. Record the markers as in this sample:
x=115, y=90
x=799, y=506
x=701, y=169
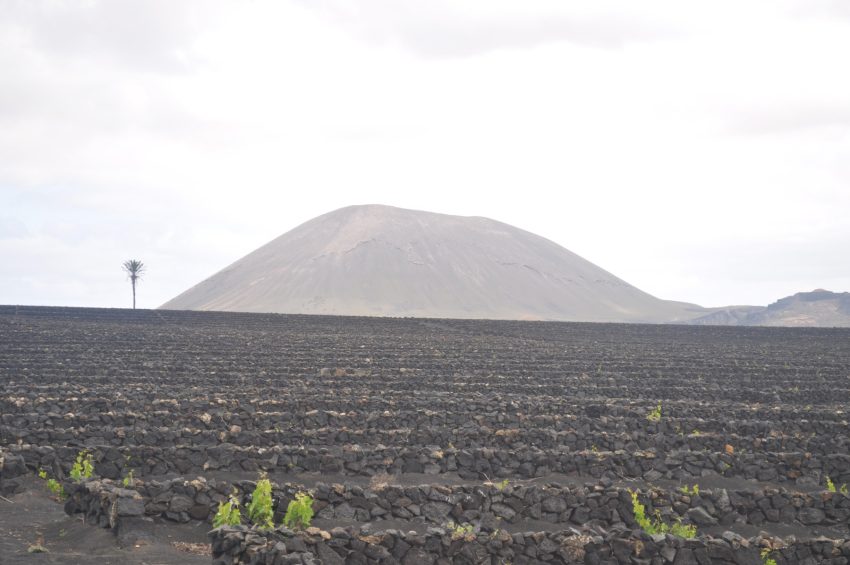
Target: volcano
x=376, y=260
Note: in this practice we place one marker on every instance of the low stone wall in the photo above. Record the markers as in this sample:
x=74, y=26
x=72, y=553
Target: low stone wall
x=605, y=505
x=439, y=421
x=110, y=462
x=411, y=428
x=487, y=506
x=231, y=545
x=103, y=503
x=12, y=466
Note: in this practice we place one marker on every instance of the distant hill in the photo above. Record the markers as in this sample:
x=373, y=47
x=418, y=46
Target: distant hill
x=384, y=261
x=817, y=308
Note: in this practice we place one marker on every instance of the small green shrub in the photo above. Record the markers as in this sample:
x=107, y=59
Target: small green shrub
x=83, y=467
x=766, y=558
x=461, y=531
x=690, y=491
x=299, y=513
x=657, y=525
x=56, y=488
x=639, y=510
x=655, y=414
x=687, y=531
x=830, y=486
x=228, y=513
x=128, y=481
x=260, y=510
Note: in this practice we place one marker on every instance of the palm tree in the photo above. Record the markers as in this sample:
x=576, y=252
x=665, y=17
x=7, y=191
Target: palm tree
x=134, y=269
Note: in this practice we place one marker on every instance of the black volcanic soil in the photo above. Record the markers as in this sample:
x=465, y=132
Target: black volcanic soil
x=33, y=517
x=140, y=386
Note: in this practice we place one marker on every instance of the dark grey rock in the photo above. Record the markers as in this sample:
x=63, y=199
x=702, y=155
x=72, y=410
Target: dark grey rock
x=180, y=503
x=417, y=556
x=701, y=517
x=555, y=504
x=809, y=515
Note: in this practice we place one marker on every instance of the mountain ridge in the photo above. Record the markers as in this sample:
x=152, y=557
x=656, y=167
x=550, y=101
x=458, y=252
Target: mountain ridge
x=817, y=308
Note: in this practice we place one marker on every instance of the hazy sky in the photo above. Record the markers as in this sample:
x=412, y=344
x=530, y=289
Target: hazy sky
x=699, y=151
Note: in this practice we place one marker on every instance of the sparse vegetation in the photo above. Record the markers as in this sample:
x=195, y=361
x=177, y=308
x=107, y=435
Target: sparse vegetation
x=687, y=531
x=657, y=525
x=500, y=485
x=830, y=486
x=655, y=414
x=228, y=513
x=128, y=481
x=299, y=513
x=54, y=486
x=690, y=491
x=766, y=558
x=260, y=510
x=464, y=531
x=83, y=467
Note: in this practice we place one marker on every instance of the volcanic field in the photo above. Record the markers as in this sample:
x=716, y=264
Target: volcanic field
x=421, y=441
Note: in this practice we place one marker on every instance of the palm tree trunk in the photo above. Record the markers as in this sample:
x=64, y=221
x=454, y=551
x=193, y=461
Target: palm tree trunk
x=134, y=294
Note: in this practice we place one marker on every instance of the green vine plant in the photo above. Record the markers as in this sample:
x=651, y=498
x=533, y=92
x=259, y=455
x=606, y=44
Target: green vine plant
x=766, y=558
x=830, y=486
x=655, y=414
x=465, y=531
x=128, y=481
x=690, y=491
x=260, y=510
x=228, y=513
x=299, y=513
x=657, y=525
x=83, y=467
x=501, y=485
x=53, y=485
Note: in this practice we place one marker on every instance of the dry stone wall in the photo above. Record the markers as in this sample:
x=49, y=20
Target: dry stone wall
x=231, y=545
x=354, y=460
x=489, y=507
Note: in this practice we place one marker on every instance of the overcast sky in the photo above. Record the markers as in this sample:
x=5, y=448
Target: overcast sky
x=700, y=151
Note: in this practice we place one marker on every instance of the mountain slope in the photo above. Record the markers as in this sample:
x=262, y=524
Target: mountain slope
x=819, y=308
x=384, y=261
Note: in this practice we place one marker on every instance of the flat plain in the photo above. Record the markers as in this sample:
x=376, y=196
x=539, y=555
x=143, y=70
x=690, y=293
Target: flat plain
x=486, y=441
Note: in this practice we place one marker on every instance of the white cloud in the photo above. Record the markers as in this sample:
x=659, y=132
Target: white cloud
x=666, y=145
x=445, y=29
